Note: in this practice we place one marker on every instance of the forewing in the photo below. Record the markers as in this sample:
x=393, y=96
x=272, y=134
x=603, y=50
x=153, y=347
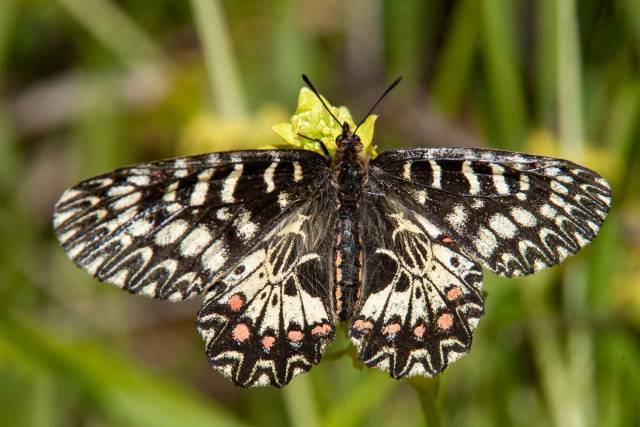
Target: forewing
x=169, y=229
x=271, y=318
x=514, y=213
x=421, y=296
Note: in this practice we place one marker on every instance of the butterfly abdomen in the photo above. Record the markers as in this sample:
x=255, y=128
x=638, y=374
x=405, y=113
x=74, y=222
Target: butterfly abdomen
x=349, y=177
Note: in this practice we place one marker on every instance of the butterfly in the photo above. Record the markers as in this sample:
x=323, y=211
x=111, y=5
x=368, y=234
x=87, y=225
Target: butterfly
x=285, y=244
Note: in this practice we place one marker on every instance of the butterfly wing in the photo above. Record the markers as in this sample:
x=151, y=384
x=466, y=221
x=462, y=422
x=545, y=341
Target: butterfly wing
x=170, y=229
x=421, y=295
x=514, y=213
x=271, y=318
x=434, y=216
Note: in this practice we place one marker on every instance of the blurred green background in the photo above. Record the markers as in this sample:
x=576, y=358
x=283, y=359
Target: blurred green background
x=90, y=85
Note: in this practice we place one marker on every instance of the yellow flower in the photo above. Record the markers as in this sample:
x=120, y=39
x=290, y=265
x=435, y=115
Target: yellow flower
x=313, y=121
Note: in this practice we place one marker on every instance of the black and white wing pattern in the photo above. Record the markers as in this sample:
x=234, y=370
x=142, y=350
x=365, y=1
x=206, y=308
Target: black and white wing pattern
x=271, y=318
x=513, y=213
x=421, y=296
x=434, y=217
x=255, y=230
x=170, y=229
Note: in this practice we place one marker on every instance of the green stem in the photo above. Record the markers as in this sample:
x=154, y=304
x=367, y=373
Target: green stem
x=546, y=62
x=427, y=390
x=364, y=398
x=569, y=77
x=578, y=403
x=115, y=29
x=503, y=71
x=299, y=403
x=290, y=55
x=456, y=63
x=219, y=57
x=546, y=344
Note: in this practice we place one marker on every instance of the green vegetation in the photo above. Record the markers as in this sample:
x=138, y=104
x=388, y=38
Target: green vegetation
x=90, y=85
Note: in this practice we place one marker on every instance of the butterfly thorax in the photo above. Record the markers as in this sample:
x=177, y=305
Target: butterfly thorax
x=349, y=176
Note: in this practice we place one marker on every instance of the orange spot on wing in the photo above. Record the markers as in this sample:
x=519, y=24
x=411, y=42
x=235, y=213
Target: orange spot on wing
x=235, y=302
x=447, y=240
x=295, y=335
x=363, y=325
x=445, y=321
x=419, y=331
x=268, y=341
x=241, y=332
x=454, y=293
x=319, y=330
x=391, y=329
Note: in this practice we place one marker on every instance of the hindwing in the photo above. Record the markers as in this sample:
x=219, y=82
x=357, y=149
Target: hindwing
x=421, y=297
x=272, y=316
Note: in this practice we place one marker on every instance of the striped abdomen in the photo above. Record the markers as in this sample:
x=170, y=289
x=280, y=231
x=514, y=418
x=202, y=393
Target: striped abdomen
x=348, y=262
x=348, y=247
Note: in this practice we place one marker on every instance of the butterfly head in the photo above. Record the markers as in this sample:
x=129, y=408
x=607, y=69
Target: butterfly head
x=348, y=140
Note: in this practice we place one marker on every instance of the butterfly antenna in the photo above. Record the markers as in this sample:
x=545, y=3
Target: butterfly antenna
x=313, y=89
x=317, y=141
x=389, y=89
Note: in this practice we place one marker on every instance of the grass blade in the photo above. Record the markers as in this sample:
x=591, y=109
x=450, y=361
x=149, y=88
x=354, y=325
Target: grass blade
x=503, y=72
x=124, y=393
x=101, y=17
x=218, y=55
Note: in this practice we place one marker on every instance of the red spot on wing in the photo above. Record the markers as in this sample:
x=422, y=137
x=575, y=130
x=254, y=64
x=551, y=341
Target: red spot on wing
x=319, y=330
x=235, y=302
x=295, y=335
x=268, y=341
x=363, y=325
x=419, y=331
x=391, y=329
x=454, y=293
x=447, y=240
x=241, y=332
x=445, y=321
